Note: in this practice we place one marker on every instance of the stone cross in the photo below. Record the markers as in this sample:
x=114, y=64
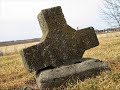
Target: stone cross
x=60, y=45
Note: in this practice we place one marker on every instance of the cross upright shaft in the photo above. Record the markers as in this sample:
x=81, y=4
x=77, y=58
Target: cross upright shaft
x=60, y=45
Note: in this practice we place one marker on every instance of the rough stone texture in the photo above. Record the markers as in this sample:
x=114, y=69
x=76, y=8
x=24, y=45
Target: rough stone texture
x=60, y=44
x=53, y=78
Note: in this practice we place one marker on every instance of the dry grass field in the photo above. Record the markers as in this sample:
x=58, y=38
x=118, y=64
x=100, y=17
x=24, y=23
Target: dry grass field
x=13, y=75
x=15, y=48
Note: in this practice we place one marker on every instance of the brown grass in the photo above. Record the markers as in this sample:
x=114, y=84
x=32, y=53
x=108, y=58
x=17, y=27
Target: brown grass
x=13, y=75
x=15, y=48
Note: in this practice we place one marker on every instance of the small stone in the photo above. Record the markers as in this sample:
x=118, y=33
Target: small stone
x=26, y=88
x=1, y=53
x=54, y=78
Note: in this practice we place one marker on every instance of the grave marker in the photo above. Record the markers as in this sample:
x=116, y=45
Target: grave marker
x=60, y=45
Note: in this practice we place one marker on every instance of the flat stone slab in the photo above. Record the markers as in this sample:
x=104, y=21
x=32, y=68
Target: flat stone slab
x=54, y=78
x=60, y=44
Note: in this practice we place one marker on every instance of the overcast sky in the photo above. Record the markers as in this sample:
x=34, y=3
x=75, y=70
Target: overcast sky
x=18, y=18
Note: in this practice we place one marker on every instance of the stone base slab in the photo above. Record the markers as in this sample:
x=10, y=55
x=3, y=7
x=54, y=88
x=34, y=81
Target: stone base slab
x=54, y=78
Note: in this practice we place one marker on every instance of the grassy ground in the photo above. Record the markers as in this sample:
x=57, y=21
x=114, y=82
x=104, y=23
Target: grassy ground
x=14, y=48
x=13, y=75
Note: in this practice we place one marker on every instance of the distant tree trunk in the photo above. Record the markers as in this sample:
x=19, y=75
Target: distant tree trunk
x=111, y=12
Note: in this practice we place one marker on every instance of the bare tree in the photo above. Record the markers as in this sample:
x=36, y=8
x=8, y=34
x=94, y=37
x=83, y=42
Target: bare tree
x=111, y=12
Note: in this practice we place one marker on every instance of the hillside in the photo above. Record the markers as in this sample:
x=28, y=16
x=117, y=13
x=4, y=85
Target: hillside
x=13, y=75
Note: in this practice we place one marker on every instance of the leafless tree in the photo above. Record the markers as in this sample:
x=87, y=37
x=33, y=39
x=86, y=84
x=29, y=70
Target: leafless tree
x=111, y=12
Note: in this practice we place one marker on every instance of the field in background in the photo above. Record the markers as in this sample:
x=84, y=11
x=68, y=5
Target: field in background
x=13, y=75
x=15, y=48
x=111, y=34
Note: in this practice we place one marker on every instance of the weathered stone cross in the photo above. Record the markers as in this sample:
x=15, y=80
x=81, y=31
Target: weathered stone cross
x=60, y=45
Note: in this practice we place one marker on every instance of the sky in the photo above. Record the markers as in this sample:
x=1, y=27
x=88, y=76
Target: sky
x=18, y=18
